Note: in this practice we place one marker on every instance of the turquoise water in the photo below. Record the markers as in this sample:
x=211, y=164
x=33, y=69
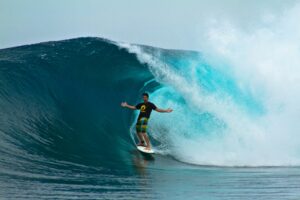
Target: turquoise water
x=63, y=134
x=159, y=179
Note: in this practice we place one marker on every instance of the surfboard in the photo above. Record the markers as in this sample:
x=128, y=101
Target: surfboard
x=143, y=150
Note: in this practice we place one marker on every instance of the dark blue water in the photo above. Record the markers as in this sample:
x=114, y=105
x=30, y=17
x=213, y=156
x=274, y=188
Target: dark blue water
x=63, y=134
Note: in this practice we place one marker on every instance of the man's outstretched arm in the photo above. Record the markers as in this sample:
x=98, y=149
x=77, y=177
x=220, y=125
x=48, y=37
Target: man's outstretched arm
x=125, y=105
x=163, y=110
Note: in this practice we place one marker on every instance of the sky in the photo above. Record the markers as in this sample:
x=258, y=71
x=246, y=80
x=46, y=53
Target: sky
x=176, y=24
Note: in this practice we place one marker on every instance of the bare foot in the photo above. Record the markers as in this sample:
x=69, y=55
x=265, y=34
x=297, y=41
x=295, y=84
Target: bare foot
x=148, y=148
x=141, y=144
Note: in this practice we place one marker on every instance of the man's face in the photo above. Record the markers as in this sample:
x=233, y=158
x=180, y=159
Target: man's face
x=145, y=98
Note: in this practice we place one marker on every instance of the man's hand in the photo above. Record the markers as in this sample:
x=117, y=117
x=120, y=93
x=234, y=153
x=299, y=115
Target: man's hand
x=124, y=104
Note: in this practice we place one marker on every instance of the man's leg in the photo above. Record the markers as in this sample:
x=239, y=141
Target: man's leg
x=139, y=134
x=144, y=123
x=141, y=139
x=148, y=145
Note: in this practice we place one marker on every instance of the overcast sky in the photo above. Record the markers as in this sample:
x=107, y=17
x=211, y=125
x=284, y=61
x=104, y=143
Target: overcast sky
x=164, y=23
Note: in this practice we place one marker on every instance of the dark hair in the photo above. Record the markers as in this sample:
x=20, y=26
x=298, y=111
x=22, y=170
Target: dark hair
x=145, y=94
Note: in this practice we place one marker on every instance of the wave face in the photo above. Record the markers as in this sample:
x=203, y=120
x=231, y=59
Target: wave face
x=60, y=104
x=60, y=108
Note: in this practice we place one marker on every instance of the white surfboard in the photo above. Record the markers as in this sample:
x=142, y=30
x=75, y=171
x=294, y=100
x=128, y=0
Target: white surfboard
x=143, y=149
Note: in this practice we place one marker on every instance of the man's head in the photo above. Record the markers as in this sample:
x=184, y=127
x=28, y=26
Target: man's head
x=145, y=97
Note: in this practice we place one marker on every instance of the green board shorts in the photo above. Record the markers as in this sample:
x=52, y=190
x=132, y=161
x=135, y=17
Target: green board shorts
x=141, y=125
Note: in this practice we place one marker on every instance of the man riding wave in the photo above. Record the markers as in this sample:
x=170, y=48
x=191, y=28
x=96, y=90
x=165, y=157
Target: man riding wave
x=145, y=108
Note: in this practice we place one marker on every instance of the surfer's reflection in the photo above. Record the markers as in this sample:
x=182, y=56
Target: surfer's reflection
x=140, y=161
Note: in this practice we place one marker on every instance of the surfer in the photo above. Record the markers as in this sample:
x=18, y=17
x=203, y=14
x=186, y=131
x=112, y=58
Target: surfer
x=142, y=122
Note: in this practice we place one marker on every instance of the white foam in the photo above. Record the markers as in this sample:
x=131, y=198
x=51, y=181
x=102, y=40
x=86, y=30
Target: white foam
x=266, y=63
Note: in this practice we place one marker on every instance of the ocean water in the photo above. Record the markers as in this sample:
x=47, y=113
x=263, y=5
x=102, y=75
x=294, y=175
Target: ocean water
x=63, y=134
